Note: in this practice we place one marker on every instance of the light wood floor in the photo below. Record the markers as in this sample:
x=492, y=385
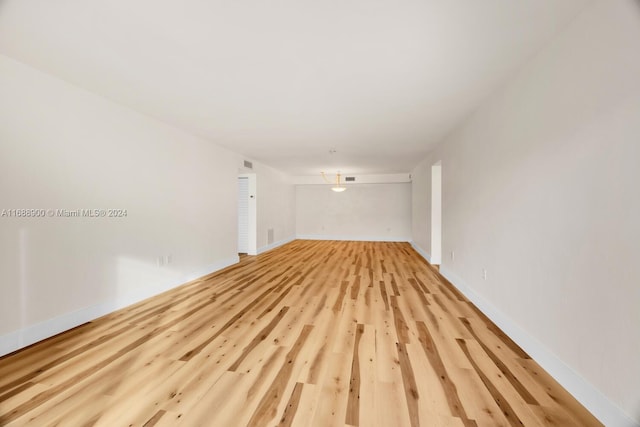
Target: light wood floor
x=310, y=334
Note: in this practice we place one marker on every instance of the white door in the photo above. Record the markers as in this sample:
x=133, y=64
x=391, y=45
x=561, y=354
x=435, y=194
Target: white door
x=243, y=215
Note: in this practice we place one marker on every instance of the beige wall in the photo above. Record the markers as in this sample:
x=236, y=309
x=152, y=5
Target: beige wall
x=540, y=187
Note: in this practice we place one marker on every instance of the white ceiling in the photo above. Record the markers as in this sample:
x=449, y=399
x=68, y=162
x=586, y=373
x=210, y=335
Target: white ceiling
x=284, y=81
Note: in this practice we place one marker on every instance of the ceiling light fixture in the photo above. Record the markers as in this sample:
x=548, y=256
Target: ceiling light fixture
x=337, y=187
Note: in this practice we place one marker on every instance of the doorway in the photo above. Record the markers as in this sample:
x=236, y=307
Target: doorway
x=243, y=215
x=247, y=215
x=436, y=213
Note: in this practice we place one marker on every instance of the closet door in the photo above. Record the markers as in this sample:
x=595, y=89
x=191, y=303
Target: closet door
x=243, y=215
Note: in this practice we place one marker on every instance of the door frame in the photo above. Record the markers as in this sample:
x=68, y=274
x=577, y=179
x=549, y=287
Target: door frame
x=252, y=247
x=436, y=213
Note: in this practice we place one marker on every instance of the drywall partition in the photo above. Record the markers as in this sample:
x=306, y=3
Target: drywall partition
x=172, y=198
x=421, y=208
x=377, y=212
x=275, y=206
x=540, y=190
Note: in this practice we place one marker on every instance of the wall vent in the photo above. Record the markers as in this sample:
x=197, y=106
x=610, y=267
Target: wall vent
x=248, y=164
x=350, y=179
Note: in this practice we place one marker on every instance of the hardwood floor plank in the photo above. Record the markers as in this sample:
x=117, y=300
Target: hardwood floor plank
x=402, y=328
x=565, y=406
x=500, y=400
x=216, y=405
x=266, y=410
x=449, y=387
x=353, y=404
x=320, y=344
x=514, y=407
x=305, y=412
x=154, y=420
x=506, y=371
x=391, y=406
x=334, y=392
x=262, y=335
x=410, y=386
x=292, y=406
x=189, y=354
x=368, y=380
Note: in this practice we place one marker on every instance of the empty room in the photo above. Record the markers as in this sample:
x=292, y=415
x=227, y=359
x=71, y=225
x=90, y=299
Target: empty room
x=304, y=213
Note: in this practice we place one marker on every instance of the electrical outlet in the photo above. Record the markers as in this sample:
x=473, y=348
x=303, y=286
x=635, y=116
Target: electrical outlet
x=168, y=259
x=160, y=261
x=453, y=255
x=484, y=274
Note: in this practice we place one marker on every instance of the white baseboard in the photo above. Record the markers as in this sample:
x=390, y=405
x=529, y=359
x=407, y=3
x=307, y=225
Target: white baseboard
x=275, y=244
x=589, y=396
x=31, y=334
x=212, y=268
x=24, y=337
x=352, y=238
x=421, y=251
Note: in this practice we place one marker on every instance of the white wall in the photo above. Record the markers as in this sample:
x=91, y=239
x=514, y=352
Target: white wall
x=275, y=206
x=65, y=148
x=421, y=208
x=362, y=212
x=386, y=178
x=541, y=188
